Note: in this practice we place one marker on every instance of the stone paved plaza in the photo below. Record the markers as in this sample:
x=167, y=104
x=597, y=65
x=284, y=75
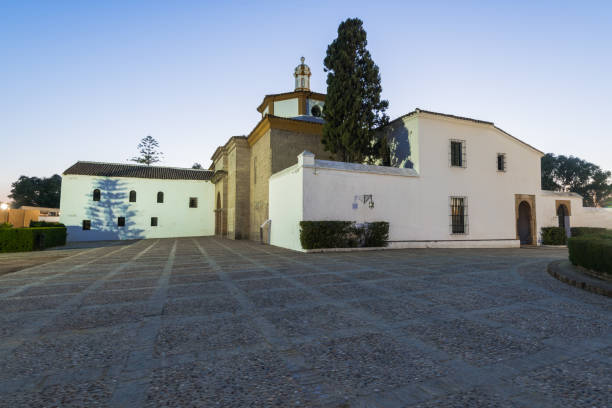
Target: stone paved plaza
x=205, y=322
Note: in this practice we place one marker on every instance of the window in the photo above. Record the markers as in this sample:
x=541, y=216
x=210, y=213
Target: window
x=302, y=82
x=193, y=202
x=154, y=221
x=96, y=195
x=121, y=222
x=132, y=196
x=458, y=215
x=316, y=111
x=160, y=197
x=457, y=153
x=86, y=225
x=501, y=162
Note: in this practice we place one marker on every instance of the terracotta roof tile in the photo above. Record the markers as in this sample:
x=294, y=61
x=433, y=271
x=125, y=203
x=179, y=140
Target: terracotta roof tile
x=85, y=168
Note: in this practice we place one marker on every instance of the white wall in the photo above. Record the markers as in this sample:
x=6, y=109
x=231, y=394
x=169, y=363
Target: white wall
x=580, y=216
x=175, y=218
x=287, y=108
x=286, y=207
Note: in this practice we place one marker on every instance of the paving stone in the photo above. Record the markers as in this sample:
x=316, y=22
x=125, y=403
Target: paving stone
x=197, y=289
x=475, y=343
x=350, y=291
x=83, y=394
x=98, y=316
x=251, y=379
x=469, y=399
x=320, y=279
x=201, y=305
x=279, y=298
x=582, y=382
x=318, y=320
x=202, y=335
x=252, y=285
x=369, y=363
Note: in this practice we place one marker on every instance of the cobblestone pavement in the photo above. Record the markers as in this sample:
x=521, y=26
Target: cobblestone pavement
x=207, y=322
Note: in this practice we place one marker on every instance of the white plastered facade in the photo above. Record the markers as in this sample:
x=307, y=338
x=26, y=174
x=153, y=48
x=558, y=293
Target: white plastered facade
x=174, y=216
x=415, y=196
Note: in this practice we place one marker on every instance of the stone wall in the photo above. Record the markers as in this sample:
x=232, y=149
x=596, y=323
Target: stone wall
x=238, y=190
x=260, y=171
x=287, y=145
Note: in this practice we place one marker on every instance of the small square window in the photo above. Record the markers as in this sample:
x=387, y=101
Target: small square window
x=154, y=221
x=501, y=162
x=193, y=202
x=121, y=222
x=86, y=225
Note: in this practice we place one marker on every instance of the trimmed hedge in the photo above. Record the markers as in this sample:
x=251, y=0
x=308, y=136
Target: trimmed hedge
x=581, y=231
x=343, y=234
x=30, y=239
x=592, y=252
x=37, y=224
x=553, y=236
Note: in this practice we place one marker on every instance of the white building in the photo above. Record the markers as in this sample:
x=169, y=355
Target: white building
x=459, y=182
x=105, y=201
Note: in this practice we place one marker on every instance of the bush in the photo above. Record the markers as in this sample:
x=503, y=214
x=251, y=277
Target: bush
x=581, y=231
x=592, y=252
x=29, y=239
x=343, y=234
x=37, y=224
x=6, y=225
x=553, y=236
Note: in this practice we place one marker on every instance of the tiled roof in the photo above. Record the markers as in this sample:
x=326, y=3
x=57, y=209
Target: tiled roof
x=85, y=168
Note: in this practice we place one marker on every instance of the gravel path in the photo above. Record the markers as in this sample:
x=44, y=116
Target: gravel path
x=205, y=322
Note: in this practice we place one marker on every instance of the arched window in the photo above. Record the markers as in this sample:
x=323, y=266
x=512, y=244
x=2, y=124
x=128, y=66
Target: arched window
x=96, y=195
x=132, y=196
x=160, y=197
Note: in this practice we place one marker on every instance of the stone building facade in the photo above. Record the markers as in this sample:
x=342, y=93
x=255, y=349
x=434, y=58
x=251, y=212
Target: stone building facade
x=291, y=123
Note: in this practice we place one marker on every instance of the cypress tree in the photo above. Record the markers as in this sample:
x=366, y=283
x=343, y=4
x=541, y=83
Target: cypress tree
x=353, y=108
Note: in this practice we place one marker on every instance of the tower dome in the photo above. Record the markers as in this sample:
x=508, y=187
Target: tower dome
x=302, y=76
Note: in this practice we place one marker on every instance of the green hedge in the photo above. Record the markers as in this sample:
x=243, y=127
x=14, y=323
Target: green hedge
x=592, y=252
x=553, y=236
x=30, y=239
x=581, y=231
x=37, y=224
x=343, y=234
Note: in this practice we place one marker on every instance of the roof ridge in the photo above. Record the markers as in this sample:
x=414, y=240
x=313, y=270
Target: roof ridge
x=140, y=165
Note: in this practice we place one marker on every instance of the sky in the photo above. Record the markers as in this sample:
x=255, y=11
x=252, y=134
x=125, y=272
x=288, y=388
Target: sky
x=87, y=80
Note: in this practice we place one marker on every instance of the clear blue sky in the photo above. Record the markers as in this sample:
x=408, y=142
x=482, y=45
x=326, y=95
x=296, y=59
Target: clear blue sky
x=87, y=80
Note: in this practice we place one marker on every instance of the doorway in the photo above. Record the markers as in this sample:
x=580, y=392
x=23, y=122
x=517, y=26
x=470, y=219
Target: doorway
x=564, y=219
x=524, y=223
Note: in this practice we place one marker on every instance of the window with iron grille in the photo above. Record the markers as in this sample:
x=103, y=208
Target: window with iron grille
x=86, y=225
x=501, y=162
x=154, y=221
x=458, y=215
x=193, y=202
x=457, y=153
x=121, y=222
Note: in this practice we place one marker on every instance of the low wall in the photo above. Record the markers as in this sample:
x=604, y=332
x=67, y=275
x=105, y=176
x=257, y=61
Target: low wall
x=417, y=209
x=18, y=218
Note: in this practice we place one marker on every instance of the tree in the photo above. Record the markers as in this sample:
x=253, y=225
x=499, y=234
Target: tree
x=196, y=166
x=353, y=108
x=37, y=192
x=562, y=173
x=149, y=151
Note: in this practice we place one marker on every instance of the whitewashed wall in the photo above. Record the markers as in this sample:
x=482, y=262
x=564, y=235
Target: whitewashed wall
x=287, y=108
x=580, y=216
x=175, y=218
x=286, y=203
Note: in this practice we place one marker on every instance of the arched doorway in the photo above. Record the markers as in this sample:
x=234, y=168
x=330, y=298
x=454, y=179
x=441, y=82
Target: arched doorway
x=524, y=223
x=564, y=219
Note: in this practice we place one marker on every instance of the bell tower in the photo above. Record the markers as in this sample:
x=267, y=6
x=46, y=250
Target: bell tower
x=302, y=76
